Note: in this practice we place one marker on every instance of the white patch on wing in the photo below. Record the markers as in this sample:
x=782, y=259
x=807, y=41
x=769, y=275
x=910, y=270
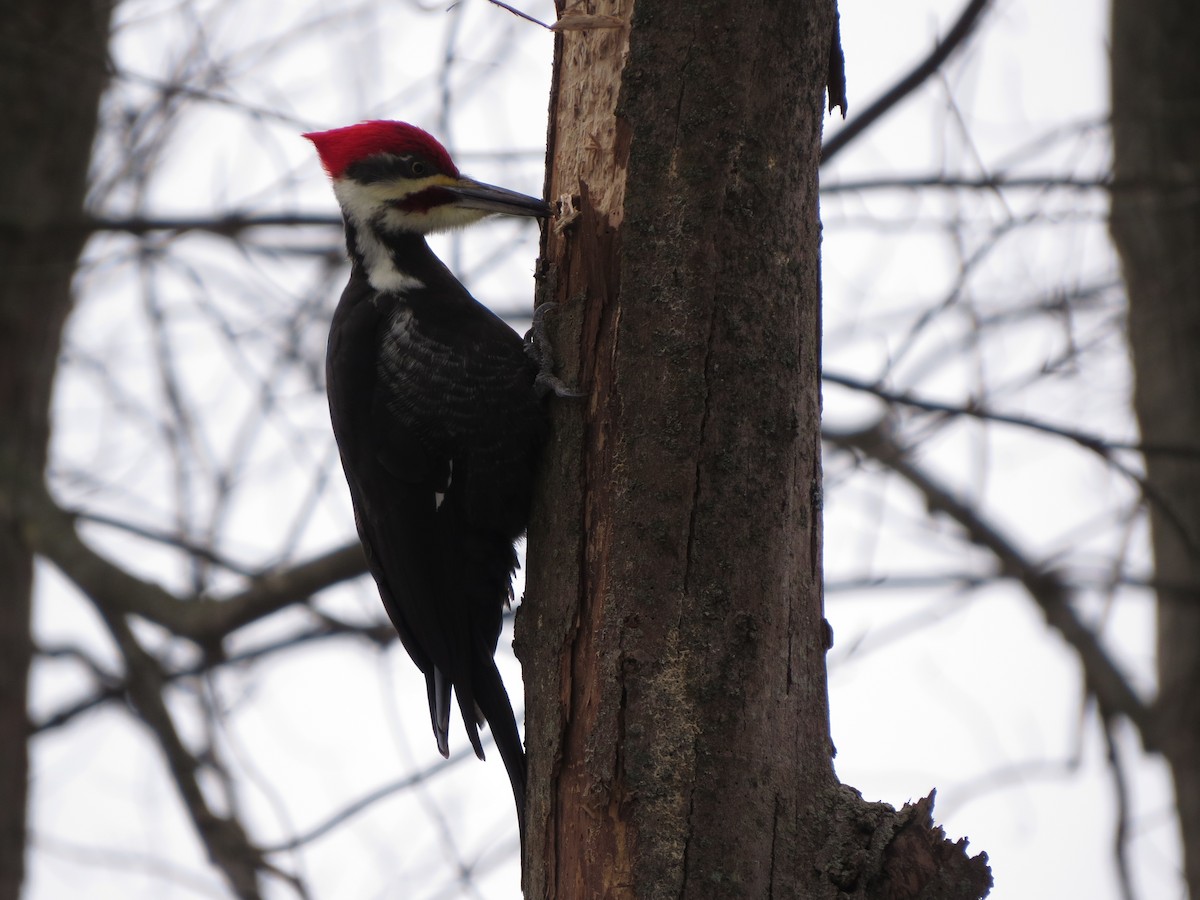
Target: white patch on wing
x=441, y=495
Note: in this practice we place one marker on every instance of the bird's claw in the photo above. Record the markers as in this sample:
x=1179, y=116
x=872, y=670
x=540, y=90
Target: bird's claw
x=546, y=384
x=541, y=351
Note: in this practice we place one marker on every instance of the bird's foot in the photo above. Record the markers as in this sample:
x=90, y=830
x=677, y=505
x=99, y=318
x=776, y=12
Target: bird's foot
x=541, y=351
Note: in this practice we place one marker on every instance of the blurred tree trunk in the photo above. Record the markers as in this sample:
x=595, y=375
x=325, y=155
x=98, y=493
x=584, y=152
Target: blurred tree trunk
x=1156, y=226
x=673, y=636
x=52, y=71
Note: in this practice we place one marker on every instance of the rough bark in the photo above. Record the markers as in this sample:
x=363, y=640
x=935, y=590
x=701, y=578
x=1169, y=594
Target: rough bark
x=52, y=71
x=673, y=637
x=1156, y=226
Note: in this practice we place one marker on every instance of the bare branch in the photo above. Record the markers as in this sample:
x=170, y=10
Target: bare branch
x=230, y=225
x=191, y=548
x=225, y=839
x=1121, y=832
x=52, y=533
x=379, y=635
x=1102, y=447
x=1049, y=182
x=1048, y=589
x=1099, y=445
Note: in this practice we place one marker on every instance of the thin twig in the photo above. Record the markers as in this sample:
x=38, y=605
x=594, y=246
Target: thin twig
x=1102, y=447
x=378, y=635
x=1098, y=445
x=981, y=183
x=1121, y=830
x=381, y=793
x=521, y=15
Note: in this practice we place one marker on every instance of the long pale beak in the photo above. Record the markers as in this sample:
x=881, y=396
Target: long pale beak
x=471, y=194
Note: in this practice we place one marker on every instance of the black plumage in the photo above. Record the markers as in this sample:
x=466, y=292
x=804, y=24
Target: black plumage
x=433, y=406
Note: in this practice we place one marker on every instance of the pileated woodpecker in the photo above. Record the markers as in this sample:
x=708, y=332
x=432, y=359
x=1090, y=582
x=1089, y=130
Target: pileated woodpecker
x=436, y=410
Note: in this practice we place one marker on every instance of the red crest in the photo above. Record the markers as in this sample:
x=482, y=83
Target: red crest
x=341, y=147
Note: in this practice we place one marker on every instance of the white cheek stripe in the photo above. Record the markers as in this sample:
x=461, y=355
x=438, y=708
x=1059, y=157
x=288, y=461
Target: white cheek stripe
x=381, y=270
x=359, y=204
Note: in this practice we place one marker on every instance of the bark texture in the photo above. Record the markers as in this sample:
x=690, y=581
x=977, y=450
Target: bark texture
x=673, y=636
x=52, y=71
x=674, y=618
x=1156, y=226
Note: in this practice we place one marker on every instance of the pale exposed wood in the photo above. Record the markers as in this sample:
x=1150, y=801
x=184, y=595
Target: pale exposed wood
x=585, y=126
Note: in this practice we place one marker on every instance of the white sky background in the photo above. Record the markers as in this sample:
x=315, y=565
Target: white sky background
x=931, y=686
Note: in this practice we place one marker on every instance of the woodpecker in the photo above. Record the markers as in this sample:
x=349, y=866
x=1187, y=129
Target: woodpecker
x=436, y=409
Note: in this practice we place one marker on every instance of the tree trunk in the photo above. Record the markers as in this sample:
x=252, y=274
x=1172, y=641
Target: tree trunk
x=1156, y=226
x=673, y=635
x=52, y=72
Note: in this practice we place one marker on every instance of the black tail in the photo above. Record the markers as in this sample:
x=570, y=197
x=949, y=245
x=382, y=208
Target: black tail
x=481, y=697
x=493, y=702
x=477, y=577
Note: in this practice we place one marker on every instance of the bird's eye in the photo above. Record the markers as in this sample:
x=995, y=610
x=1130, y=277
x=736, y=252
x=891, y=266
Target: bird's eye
x=418, y=168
